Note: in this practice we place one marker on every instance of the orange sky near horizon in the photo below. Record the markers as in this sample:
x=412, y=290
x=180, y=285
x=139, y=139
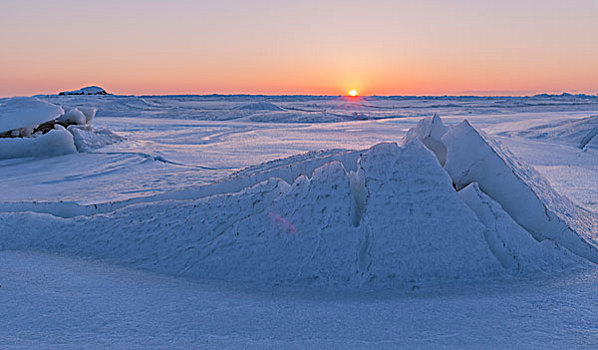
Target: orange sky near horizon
x=310, y=47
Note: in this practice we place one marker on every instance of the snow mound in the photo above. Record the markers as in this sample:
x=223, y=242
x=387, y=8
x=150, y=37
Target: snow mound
x=90, y=90
x=87, y=138
x=259, y=106
x=472, y=156
x=581, y=133
x=54, y=143
x=26, y=112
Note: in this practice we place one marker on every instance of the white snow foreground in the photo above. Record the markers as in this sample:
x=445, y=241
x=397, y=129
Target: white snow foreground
x=30, y=127
x=472, y=156
x=394, y=219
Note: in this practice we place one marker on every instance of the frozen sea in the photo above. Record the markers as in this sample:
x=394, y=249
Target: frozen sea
x=175, y=146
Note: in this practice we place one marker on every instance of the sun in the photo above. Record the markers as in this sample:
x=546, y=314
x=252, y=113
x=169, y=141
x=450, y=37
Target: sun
x=353, y=93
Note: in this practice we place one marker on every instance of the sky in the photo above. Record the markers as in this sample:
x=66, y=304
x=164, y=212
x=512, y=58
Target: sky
x=423, y=47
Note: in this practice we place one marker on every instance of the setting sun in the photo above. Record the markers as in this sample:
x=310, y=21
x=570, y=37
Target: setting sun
x=353, y=93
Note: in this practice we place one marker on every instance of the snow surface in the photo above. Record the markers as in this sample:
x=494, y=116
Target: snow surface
x=336, y=232
x=61, y=302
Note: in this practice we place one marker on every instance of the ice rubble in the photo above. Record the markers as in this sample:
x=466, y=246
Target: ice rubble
x=472, y=156
x=383, y=216
x=73, y=117
x=56, y=142
x=24, y=112
x=86, y=138
x=429, y=131
x=512, y=245
x=33, y=128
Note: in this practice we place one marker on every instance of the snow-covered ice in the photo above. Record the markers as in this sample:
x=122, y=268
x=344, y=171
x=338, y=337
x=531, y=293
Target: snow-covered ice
x=87, y=138
x=24, y=112
x=302, y=221
x=474, y=157
x=56, y=142
x=73, y=116
x=581, y=133
x=512, y=245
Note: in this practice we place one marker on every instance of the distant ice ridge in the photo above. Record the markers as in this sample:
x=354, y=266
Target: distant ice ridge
x=582, y=133
x=30, y=127
x=387, y=215
x=260, y=106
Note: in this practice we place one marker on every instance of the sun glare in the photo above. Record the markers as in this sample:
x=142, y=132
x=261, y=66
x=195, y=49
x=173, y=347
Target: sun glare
x=353, y=93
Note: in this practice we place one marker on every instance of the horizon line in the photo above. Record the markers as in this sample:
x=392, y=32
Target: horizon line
x=562, y=93
x=471, y=93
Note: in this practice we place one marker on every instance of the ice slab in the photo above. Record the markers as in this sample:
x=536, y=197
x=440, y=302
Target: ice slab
x=23, y=112
x=473, y=156
x=56, y=142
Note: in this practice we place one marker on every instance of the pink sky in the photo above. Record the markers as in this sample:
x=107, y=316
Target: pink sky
x=302, y=47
